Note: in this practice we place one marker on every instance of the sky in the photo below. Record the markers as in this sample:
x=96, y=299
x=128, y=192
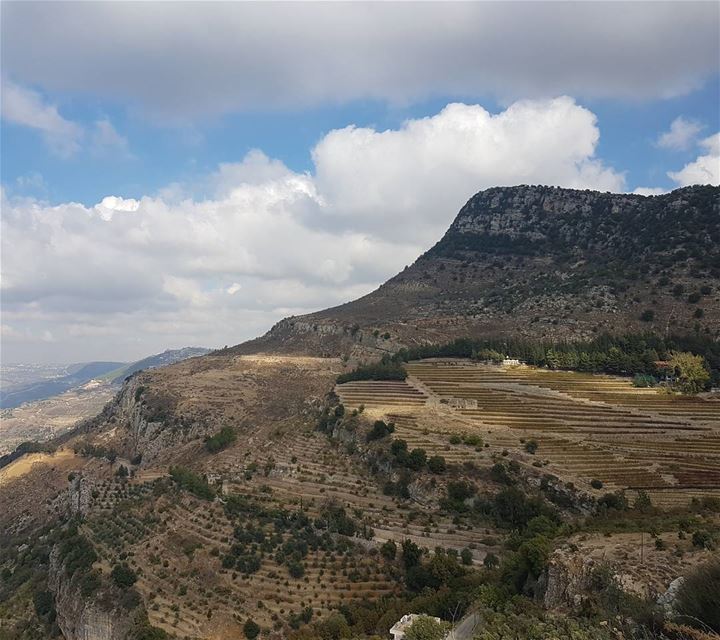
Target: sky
x=187, y=174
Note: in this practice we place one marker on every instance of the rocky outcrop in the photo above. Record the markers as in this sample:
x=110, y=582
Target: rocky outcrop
x=567, y=578
x=82, y=618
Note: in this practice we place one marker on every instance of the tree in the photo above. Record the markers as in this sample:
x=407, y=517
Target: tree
x=437, y=464
x=692, y=374
x=427, y=628
x=411, y=553
x=466, y=556
x=123, y=576
x=416, y=459
x=491, y=561
x=389, y=550
x=251, y=629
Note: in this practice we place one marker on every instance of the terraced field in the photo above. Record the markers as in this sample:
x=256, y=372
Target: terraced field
x=587, y=426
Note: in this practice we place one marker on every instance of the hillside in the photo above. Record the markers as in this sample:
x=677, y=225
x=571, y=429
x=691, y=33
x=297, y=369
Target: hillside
x=539, y=262
x=247, y=492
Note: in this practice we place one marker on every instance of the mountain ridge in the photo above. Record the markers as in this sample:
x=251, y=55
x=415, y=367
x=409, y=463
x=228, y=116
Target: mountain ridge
x=542, y=262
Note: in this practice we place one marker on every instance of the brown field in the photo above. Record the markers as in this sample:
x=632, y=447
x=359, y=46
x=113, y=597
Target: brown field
x=586, y=426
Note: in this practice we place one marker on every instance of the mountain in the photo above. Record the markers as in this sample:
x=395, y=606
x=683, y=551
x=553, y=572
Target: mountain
x=47, y=388
x=79, y=374
x=539, y=262
x=170, y=356
x=245, y=493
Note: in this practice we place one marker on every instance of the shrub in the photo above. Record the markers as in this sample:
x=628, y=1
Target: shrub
x=389, y=550
x=251, y=629
x=466, y=556
x=648, y=315
x=644, y=380
x=455, y=439
x=123, y=576
x=192, y=482
x=416, y=459
x=437, y=464
x=596, y=484
x=221, y=440
x=698, y=599
x=411, y=553
x=703, y=539
x=379, y=371
x=380, y=430
x=427, y=628
x=491, y=561
x=531, y=446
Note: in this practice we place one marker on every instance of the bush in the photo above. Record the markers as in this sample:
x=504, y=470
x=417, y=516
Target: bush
x=437, y=464
x=531, y=446
x=491, y=561
x=251, y=629
x=123, y=576
x=596, y=484
x=698, y=599
x=380, y=430
x=644, y=380
x=703, y=539
x=466, y=556
x=379, y=371
x=648, y=315
x=192, y=482
x=416, y=459
x=221, y=440
x=389, y=550
x=427, y=628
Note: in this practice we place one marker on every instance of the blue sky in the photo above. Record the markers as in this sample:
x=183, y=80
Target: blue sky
x=200, y=170
x=158, y=156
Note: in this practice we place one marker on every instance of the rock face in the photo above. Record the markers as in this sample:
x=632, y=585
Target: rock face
x=81, y=618
x=541, y=262
x=566, y=579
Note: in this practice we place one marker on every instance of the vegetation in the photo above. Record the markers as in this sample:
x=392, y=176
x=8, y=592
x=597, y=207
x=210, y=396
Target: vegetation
x=192, y=482
x=696, y=358
x=221, y=440
x=385, y=370
x=698, y=601
x=427, y=628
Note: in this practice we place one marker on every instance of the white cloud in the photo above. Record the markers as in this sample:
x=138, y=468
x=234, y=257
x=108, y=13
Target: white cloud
x=131, y=276
x=705, y=169
x=26, y=108
x=681, y=136
x=649, y=191
x=180, y=60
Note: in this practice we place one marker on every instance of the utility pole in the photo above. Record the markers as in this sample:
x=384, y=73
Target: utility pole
x=642, y=547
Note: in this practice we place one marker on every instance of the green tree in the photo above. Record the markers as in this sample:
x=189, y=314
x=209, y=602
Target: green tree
x=692, y=374
x=389, y=550
x=437, y=464
x=427, y=628
x=466, y=556
x=251, y=629
x=123, y=576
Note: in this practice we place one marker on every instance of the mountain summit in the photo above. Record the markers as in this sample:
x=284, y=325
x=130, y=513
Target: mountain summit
x=542, y=262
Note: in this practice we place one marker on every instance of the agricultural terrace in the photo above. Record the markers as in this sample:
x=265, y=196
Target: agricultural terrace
x=586, y=426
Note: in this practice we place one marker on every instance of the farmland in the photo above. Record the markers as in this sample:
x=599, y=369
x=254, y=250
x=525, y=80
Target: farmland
x=586, y=427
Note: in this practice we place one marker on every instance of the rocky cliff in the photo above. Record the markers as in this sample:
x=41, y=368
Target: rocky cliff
x=540, y=262
x=85, y=618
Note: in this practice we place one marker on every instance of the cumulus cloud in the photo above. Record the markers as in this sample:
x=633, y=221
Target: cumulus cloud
x=681, y=136
x=181, y=60
x=705, y=169
x=220, y=261
x=25, y=107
